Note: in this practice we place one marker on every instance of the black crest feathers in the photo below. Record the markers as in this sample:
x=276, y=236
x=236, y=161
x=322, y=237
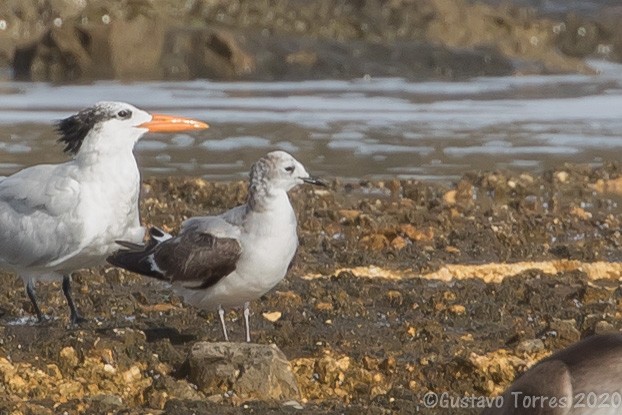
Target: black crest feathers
x=74, y=129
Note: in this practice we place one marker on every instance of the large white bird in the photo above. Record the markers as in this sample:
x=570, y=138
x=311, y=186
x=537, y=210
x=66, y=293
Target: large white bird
x=58, y=218
x=230, y=259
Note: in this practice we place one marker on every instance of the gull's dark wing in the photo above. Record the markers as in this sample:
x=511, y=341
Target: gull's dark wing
x=203, y=254
x=197, y=260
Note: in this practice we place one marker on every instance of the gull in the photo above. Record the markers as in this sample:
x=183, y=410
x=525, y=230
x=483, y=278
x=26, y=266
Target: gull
x=58, y=218
x=235, y=257
x=585, y=378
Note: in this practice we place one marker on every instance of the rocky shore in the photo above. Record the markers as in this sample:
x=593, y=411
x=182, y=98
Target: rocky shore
x=400, y=288
x=78, y=41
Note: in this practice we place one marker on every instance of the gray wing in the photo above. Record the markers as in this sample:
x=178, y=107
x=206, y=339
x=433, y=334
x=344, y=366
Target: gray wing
x=197, y=258
x=227, y=224
x=36, y=215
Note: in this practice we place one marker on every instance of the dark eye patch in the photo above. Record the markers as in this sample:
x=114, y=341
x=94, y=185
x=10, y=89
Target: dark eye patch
x=124, y=114
x=289, y=169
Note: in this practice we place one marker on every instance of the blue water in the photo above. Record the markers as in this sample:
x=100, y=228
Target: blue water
x=369, y=128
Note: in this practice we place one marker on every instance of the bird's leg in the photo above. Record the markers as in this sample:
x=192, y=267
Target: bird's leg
x=30, y=290
x=221, y=314
x=247, y=325
x=75, y=315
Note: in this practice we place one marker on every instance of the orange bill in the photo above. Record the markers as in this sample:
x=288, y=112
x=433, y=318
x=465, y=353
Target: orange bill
x=161, y=123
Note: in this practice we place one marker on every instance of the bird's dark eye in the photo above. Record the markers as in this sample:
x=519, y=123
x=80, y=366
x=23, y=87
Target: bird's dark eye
x=289, y=169
x=123, y=114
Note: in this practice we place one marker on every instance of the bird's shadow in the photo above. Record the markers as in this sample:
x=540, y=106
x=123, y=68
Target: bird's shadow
x=172, y=334
x=154, y=334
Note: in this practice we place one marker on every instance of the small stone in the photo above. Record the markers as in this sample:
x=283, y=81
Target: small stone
x=562, y=176
x=293, y=404
x=68, y=359
x=389, y=364
x=349, y=215
x=272, y=316
x=370, y=363
x=108, y=400
x=530, y=346
x=324, y=306
x=580, y=213
x=566, y=330
x=449, y=296
x=399, y=243
x=415, y=234
x=457, y=309
x=132, y=374
x=375, y=242
x=394, y=297
x=157, y=399
x=16, y=382
x=450, y=197
x=452, y=250
x=109, y=369
x=107, y=356
x=603, y=327
x=377, y=378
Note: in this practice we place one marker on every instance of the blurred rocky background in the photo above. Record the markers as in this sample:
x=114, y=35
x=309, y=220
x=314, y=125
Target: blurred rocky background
x=80, y=40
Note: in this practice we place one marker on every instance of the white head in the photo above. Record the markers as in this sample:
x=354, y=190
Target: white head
x=278, y=170
x=111, y=127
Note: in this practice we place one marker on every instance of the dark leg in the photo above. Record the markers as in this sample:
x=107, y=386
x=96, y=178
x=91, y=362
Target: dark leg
x=75, y=315
x=30, y=290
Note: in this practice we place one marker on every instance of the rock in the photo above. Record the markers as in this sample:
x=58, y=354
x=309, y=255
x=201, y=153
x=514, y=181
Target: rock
x=457, y=309
x=68, y=359
x=205, y=53
x=604, y=327
x=130, y=59
x=578, y=36
x=530, y=346
x=110, y=401
x=349, y=216
x=565, y=330
x=293, y=404
x=450, y=197
x=562, y=176
x=374, y=242
x=415, y=234
x=272, y=316
x=249, y=371
x=132, y=375
x=399, y=243
x=394, y=297
x=166, y=388
x=287, y=40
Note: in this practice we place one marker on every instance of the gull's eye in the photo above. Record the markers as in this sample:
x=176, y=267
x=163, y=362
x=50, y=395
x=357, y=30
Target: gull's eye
x=124, y=114
x=289, y=169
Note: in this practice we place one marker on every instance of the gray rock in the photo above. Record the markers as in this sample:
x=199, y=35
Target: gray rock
x=242, y=371
x=105, y=403
x=566, y=330
x=530, y=346
x=604, y=327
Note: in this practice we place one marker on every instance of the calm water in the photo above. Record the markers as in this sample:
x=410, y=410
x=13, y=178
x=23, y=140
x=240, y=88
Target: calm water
x=370, y=128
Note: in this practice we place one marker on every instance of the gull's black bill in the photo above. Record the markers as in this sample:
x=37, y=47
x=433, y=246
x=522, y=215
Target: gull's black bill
x=316, y=181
